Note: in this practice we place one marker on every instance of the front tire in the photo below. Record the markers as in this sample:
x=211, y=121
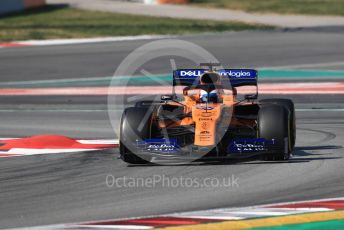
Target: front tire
x=134, y=127
x=289, y=104
x=273, y=123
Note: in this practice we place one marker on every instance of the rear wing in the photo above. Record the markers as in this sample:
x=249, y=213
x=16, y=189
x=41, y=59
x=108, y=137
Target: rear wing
x=236, y=77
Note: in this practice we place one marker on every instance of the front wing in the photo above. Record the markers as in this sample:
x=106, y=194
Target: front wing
x=240, y=147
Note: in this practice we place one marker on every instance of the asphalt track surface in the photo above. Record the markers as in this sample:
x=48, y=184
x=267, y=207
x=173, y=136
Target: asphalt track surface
x=62, y=188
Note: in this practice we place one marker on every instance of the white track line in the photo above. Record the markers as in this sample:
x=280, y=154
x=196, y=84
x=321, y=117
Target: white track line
x=53, y=42
x=27, y=151
x=104, y=141
x=81, y=141
x=8, y=138
x=245, y=213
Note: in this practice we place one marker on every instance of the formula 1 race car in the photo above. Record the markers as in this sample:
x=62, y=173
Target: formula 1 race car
x=208, y=121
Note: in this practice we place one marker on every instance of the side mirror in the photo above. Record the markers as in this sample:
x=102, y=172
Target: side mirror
x=166, y=97
x=251, y=96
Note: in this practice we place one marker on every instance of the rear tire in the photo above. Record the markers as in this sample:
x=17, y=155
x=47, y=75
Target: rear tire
x=273, y=123
x=132, y=130
x=289, y=104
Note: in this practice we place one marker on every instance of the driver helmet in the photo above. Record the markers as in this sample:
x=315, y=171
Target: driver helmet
x=213, y=96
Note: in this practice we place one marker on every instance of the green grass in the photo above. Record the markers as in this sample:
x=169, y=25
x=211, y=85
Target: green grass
x=56, y=22
x=316, y=7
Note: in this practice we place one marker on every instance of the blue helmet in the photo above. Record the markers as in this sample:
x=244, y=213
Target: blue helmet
x=211, y=97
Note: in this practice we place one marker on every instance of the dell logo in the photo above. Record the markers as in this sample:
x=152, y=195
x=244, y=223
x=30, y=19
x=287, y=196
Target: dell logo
x=190, y=73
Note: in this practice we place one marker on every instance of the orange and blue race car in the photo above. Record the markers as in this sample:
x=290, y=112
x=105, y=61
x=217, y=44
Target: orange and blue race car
x=212, y=118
